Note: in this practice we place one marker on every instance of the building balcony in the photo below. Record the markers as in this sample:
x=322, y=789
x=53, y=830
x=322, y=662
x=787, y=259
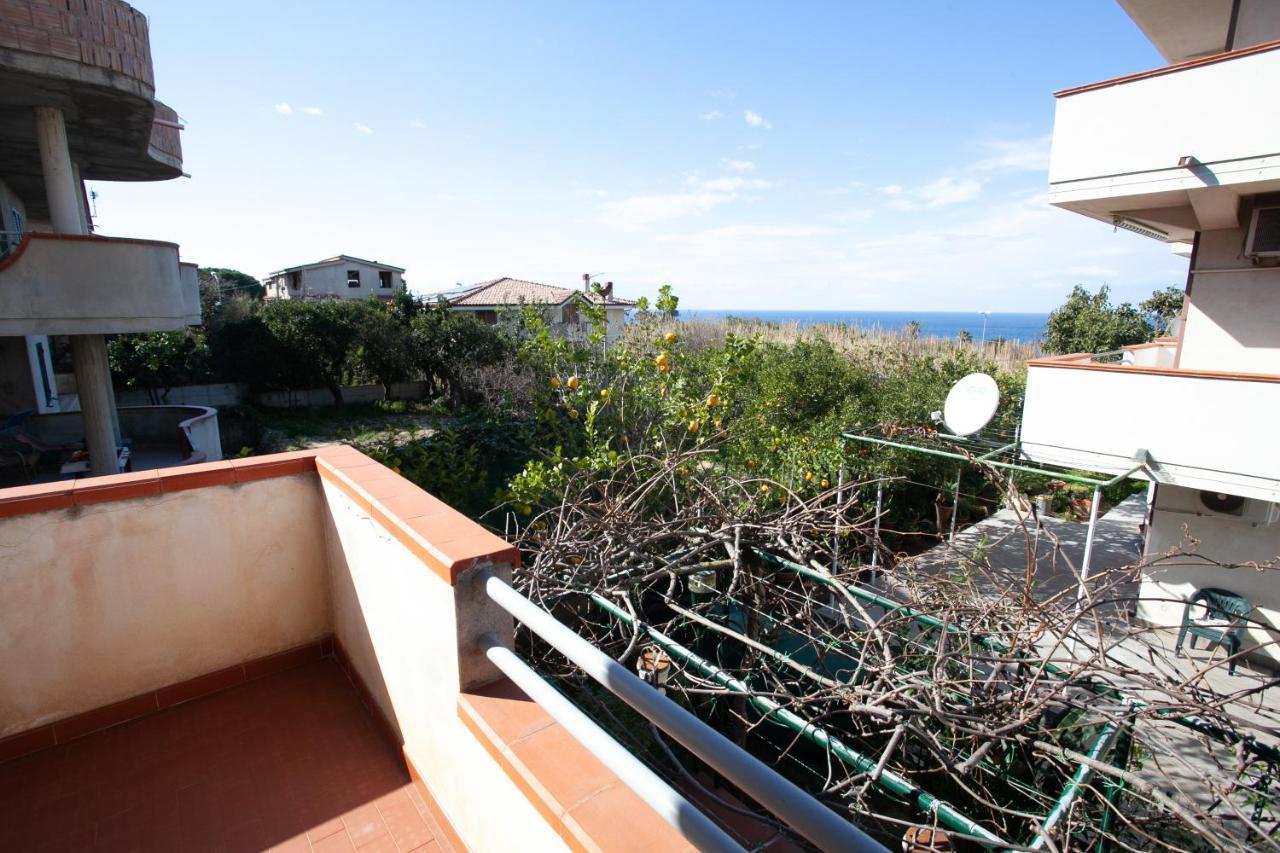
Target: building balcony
x=280, y=652
x=1171, y=149
x=1201, y=429
x=69, y=285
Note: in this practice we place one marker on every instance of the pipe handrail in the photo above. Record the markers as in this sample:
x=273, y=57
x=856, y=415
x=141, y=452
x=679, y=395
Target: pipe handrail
x=805, y=814
x=682, y=815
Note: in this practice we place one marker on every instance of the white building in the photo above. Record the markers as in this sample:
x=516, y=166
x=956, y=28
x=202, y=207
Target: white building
x=1186, y=154
x=79, y=104
x=339, y=277
x=560, y=304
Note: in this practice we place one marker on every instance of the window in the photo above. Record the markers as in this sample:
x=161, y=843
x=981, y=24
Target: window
x=384, y=278
x=570, y=315
x=490, y=317
x=353, y=278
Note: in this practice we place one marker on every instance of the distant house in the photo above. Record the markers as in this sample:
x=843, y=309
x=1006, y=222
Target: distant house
x=339, y=277
x=560, y=304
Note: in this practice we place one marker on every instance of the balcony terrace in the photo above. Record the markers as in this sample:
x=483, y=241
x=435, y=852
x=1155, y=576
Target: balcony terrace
x=292, y=652
x=1201, y=429
x=1173, y=148
x=55, y=284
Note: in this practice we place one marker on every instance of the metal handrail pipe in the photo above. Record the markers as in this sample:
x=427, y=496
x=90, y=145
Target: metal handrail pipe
x=805, y=814
x=682, y=815
x=885, y=779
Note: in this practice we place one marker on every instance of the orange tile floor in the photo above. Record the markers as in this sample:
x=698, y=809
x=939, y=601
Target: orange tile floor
x=291, y=762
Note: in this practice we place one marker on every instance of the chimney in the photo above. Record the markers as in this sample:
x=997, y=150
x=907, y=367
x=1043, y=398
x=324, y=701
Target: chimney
x=607, y=291
x=586, y=282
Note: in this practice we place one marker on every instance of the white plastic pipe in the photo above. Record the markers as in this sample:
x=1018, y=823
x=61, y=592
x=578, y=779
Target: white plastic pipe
x=686, y=818
x=805, y=814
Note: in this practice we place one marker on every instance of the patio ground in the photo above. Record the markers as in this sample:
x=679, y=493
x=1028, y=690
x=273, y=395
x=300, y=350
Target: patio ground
x=290, y=762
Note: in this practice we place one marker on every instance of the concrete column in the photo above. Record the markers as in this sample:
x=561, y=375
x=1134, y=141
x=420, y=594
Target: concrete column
x=88, y=352
x=59, y=173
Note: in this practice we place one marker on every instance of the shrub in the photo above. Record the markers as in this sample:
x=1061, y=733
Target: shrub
x=1088, y=322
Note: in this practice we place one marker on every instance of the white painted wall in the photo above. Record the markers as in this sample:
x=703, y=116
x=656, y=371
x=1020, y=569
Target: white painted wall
x=330, y=280
x=98, y=285
x=1205, y=433
x=397, y=621
x=1167, y=585
x=1129, y=137
x=1233, y=318
x=113, y=600
x=1256, y=21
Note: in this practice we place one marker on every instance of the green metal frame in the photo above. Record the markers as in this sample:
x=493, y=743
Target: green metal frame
x=989, y=458
x=1115, y=736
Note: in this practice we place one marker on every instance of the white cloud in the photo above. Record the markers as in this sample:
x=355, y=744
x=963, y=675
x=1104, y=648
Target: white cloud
x=845, y=189
x=418, y=123
x=756, y=120
x=739, y=165
x=734, y=233
x=1015, y=155
x=713, y=115
x=363, y=128
x=284, y=109
x=940, y=193
x=639, y=212
x=313, y=111
x=853, y=214
x=594, y=193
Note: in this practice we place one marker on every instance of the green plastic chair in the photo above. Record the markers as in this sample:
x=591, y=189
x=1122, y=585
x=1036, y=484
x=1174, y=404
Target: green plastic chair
x=1222, y=623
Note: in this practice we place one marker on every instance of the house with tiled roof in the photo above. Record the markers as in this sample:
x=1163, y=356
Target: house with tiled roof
x=560, y=304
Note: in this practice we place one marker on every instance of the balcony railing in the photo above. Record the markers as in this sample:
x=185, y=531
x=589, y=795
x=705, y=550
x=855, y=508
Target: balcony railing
x=1185, y=127
x=55, y=284
x=1201, y=429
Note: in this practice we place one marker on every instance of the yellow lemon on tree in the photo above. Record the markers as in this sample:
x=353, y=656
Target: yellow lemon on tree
x=694, y=426
x=670, y=337
x=604, y=393
x=825, y=483
x=664, y=367
x=808, y=476
x=764, y=488
x=751, y=463
x=573, y=383
x=713, y=400
x=662, y=359
x=555, y=381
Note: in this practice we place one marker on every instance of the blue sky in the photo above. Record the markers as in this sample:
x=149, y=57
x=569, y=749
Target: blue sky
x=842, y=155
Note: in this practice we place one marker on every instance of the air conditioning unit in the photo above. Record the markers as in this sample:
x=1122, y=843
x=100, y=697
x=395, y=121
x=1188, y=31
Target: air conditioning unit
x=1246, y=509
x=1264, y=233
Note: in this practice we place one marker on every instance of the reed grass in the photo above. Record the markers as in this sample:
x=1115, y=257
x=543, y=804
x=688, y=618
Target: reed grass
x=862, y=344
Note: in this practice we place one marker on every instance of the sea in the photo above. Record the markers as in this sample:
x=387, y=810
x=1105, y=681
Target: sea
x=1024, y=327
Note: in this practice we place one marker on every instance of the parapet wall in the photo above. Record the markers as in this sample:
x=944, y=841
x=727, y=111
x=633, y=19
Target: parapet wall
x=106, y=34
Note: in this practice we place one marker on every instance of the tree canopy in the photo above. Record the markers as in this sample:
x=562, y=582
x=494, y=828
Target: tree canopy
x=1088, y=322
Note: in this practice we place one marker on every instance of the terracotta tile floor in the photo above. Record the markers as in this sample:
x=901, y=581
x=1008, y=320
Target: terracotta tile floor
x=291, y=762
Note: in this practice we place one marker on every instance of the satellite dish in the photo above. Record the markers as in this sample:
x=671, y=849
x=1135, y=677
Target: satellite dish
x=971, y=404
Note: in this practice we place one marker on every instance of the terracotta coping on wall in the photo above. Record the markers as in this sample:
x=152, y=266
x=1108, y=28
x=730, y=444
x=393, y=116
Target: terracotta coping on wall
x=17, y=253
x=1067, y=362
x=153, y=701
x=1172, y=69
x=445, y=540
x=581, y=799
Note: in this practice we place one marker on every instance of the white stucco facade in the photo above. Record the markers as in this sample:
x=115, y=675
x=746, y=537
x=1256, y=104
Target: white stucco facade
x=1183, y=154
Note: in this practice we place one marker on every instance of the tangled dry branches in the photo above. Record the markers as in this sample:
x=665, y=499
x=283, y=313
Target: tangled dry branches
x=949, y=694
